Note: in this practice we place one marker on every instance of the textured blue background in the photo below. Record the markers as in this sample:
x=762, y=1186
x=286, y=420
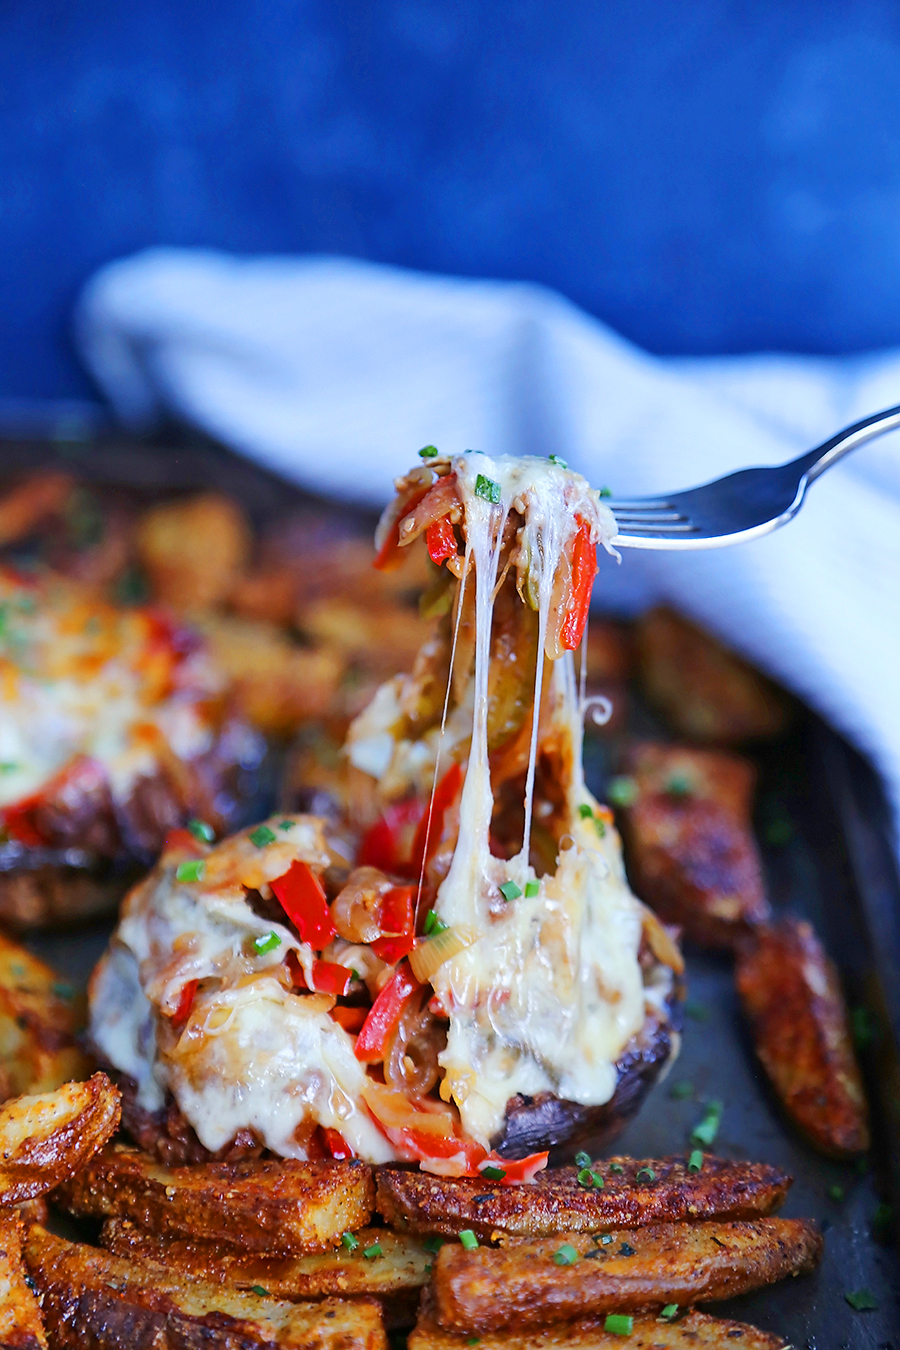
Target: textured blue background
x=706, y=176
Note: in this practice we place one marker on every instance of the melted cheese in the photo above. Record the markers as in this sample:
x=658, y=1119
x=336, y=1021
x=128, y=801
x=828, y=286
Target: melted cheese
x=82, y=677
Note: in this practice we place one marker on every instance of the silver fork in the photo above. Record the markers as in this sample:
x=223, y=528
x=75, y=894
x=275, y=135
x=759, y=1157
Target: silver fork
x=742, y=505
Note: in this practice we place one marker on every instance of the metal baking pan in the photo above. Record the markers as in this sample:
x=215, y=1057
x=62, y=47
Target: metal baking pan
x=825, y=832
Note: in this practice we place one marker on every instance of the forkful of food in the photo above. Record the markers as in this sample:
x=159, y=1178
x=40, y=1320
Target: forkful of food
x=742, y=505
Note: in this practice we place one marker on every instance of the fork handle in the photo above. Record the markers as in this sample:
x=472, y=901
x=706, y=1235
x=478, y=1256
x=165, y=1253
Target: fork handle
x=815, y=462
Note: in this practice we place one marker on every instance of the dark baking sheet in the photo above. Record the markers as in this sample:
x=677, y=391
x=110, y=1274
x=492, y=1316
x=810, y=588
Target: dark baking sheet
x=825, y=833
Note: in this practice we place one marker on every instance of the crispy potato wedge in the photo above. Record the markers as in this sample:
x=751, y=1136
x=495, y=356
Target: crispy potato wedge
x=39, y=1016
x=556, y=1203
x=705, y=691
x=21, y=1327
x=194, y=550
x=691, y=852
x=394, y=1276
x=45, y=1139
x=694, y=1331
x=92, y=1300
x=791, y=994
x=637, y=1270
x=277, y=1206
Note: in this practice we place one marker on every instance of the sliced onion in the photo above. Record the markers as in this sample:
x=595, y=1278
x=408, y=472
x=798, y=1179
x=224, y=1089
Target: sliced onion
x=427, y=957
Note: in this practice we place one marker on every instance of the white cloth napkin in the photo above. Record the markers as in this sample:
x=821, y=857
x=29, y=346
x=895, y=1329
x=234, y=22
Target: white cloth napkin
x=334, y=372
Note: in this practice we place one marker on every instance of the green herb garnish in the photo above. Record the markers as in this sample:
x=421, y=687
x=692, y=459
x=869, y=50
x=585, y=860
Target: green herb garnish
x=493, y=1173
x=605, y=1239
x=618, y=1324
x=622, y=791
x=532, y=888
x=434, y=925
x=8, y=766
x=487, y=489
x=285, y=824
x=585, y=1177
x=200, y=830
x=645, y=1174
x=836, y=1193
x=605, y=492
x=585, y=811
x=267, y=942
x=705, y=1131
x=679, y=785
x=434, y=1243
x=258, y=1289
x=61, y=989
x=428, y=452
x=468, y=1239
x=566, y=1256
x=560, y=463
x=510, y=891
x=583, y=1159
x=616, y=1167
x=680, y=1091
x=863, y=1028
x=190, y=871
x=862, y=1300
x=350, y=1241
x=695, y=1161
x=371, y=1252
x=698, y=1011
x=668, y=1312
x=262, y=836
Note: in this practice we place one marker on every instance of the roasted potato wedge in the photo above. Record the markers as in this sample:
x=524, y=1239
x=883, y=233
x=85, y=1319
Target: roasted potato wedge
x=92, y=1300
x=694, y=1331
x=690, y=849
x=45, y=1139
x=193, y=551
x=555, y=1203
x=791, y=994
x=39, y=1016
x=277, y=1206
x=629, y=1270
x=21, y=1327
x=705, y=691
x=393, y=1274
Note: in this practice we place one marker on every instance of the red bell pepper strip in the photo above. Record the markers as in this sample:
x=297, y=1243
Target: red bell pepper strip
x=180, y=841
x=386, y=844
x=516, y=1170
x=390, y=950
x=584, y=569
x=351, y=1019
x=441, y=540
x=384, y=1014
x=302, y=898
x=429, y=832
x=335, y=1145
x=331, y=978
x=395, y=918
x=185, y=1003
x=420, y=1134
x=390, y=553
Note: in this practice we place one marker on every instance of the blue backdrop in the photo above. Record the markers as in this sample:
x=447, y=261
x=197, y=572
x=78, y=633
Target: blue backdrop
x=707, y=176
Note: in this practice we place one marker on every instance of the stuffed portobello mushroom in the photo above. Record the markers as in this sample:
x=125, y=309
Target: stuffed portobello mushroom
x=448, y=967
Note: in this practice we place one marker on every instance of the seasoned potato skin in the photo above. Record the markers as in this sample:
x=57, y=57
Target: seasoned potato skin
x=791, y=994
x=21, y=1327
x=46, y=1138
x=691, y=855
x=394, y=1278
x=39, y=1018
x=694, y=1331
x=705, y=692
x=642, y=1268
x=94, y=1301
x=556, y=1203
x=277, y=1206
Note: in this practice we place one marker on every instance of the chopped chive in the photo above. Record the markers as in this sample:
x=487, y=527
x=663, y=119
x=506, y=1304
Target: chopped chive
x=532, y=888
x=862, y=1300
x=560, y=463
x=600, y=827
x=622, y=791
x=597, y=1181
x=585, y=811
x=371, y=1252
x=697, y=1010
x=433, y=924
x=468, y=1239
x=350, y=1241
x=262, y=836
x=267, y=942
x=487, y=489
x=680, y=1091
x=705, y=1131
x=861, y=1025
x=582, y=1159
x=510, y=891
x=585, y=1177
x=646, y=1174
x=606, y=1239
x=618, y=1324
x=566, y=1256
x=8, y=766
x=493, y=1173
x=625, y=1250
x=258, y=1289
x=836, y=1193
x=434, y=1243
x=190, y=871
x=679, y=785
x=200, y=830
x=428, y=452
x=695, y=1161
x=428, y=1269
x=605, y=492
x=354, y=974
x=883, y=1216
x=473, y=1340
x=668, y=1312
x=61, y=989
x=285, y=825
x=616, y=1167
